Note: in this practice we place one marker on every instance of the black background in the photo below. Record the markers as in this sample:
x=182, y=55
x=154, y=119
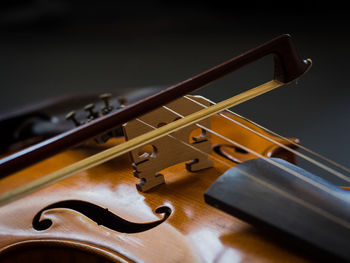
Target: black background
x=50, y=48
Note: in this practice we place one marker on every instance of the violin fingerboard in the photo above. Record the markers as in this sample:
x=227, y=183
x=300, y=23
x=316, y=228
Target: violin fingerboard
x=298, y=205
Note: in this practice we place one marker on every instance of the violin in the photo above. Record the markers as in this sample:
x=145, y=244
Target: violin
x=184, y=182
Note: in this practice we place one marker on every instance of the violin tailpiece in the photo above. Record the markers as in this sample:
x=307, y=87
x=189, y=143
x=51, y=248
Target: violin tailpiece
x=148, y=161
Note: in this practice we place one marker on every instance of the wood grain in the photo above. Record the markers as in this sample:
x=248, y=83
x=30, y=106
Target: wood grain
x=195, y=232
x=136, y=142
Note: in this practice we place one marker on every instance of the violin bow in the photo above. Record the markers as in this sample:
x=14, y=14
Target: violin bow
x=134, y=143
x=288, y=66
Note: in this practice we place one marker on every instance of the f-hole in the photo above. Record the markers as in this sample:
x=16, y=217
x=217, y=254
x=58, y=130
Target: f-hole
x=224, y=151
x=100, y=216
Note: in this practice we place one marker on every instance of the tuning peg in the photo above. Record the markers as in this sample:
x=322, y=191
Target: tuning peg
x=71, y=116
x=107, y=108
x=90, y=108
x=122, y=101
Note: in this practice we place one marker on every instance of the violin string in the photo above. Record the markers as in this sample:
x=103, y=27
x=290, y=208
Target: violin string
x=340, y=166
x=260, y=181
x=135, y=143
x=272, y=162
x=305, y=157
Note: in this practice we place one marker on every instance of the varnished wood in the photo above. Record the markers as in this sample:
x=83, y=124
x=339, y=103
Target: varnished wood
x=137, y=142
x=195, y=232
x=184, y=228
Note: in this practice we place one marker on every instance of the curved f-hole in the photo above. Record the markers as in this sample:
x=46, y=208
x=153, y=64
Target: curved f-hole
x=198, y=135
x=229, y=152
x=100, y=216
x=147, y=151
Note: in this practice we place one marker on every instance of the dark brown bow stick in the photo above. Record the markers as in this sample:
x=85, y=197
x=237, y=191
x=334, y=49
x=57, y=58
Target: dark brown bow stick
x=288, y=67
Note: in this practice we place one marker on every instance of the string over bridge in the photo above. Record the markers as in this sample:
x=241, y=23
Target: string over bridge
x=167, y=151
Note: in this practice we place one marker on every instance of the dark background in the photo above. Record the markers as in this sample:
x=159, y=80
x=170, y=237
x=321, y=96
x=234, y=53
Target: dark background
x=50, y=48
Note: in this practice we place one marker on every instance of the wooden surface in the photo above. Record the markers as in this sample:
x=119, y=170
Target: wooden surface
x=135, y=143
x=308, y=208
x=149, y=162
x=194, y=232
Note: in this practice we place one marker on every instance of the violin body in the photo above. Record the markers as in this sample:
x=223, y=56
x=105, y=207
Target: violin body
x=80, y=201
x=169, y=223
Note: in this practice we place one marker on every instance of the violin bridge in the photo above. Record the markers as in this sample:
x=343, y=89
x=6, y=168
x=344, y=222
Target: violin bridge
x=188, y=144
